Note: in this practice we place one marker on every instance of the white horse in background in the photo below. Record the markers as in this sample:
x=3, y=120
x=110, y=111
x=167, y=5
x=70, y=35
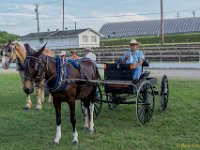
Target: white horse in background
x=16, y=52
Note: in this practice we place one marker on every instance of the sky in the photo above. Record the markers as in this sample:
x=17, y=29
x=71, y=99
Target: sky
x=19, y=17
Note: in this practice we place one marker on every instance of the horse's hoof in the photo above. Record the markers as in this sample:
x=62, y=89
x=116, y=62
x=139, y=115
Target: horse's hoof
x=76, y=143
x=91, y=132
x=26, y=109
x=55, y=143
x=38, y=107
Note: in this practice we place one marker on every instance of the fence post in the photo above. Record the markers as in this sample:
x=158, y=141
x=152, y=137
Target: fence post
x=179, y=60
x=161, y=57
x=199, y=57
x=99, y=57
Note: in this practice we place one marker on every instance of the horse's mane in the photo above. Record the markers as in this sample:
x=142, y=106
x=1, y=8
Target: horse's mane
x=20, y=44
x=47, y=51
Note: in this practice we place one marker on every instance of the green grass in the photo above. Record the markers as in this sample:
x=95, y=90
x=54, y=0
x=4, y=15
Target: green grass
x=115, y=130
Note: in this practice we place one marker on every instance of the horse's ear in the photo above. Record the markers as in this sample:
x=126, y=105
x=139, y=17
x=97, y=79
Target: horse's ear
x=28, y=49
x=37, y=54
x=9, y=41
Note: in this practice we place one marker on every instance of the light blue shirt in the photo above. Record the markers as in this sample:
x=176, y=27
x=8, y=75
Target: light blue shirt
x=134, y=58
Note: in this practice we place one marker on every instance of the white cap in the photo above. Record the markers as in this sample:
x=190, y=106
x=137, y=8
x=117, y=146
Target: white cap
x=88, y=49
x=62, y=53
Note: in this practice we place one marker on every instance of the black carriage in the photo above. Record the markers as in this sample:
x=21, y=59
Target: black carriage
x=119, y=88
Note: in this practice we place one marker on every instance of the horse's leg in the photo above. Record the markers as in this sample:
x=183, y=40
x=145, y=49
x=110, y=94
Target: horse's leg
x=42, y=93
x=86, y=124
x=57, y=106
x=73, y=122
x=28, y=102
x=50, y=99
x=91, y=107
x=38, y=103
x=28, y=97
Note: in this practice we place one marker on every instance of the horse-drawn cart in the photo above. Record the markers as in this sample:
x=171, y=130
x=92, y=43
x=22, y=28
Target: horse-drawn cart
x=119, y=88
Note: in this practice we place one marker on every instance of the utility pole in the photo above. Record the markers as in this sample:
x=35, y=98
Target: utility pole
x=193, y=13
x=37, y=18
x=63, y=19
x=75, y=25
x=177, y=15
x=161, y=23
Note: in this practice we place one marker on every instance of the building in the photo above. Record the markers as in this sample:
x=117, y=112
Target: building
x=150, y=27
x=64, y=39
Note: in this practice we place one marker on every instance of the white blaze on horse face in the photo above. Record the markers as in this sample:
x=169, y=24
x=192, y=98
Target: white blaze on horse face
x=58, y=134
x=5, y=64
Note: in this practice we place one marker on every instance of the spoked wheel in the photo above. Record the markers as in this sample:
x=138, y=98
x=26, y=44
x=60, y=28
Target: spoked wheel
x=98, y=101
x=97, y=104
x=164, y=92
x=111, y=101
x=145, y=101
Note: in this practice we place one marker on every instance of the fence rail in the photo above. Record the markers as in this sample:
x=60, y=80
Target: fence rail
x=170, y=53
x=176, y=53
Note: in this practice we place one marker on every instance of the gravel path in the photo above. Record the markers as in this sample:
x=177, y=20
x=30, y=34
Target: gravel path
x=171, y=73
x=177, y=73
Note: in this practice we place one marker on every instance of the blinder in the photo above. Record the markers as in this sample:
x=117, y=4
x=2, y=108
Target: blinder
x=39, y=69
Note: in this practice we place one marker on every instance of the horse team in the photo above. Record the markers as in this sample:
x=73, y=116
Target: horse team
x=35, y=67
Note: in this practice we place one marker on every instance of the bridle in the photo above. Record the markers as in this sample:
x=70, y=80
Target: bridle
x=11, y=48
x=41, y=67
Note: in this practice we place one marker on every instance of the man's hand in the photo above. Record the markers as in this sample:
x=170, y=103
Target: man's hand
x=127, y=56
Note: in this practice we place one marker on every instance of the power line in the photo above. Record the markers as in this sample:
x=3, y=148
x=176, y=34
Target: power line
x=116, y=16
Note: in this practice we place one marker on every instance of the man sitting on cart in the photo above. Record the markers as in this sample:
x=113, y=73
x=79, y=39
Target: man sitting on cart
x=134, y=56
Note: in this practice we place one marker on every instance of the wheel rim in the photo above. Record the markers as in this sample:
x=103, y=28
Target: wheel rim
x=164, y=93
x=145, y=102
x=98, y=101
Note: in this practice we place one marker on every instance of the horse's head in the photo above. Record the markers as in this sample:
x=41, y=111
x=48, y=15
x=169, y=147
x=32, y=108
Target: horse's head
x=34, y=69
x=8, y=54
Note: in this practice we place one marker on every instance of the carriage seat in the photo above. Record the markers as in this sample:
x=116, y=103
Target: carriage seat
x=145, y=63
x=145, y=73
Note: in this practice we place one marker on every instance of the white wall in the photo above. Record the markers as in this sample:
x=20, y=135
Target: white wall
x=89, y=34
x=54, y=43
x=64, y=42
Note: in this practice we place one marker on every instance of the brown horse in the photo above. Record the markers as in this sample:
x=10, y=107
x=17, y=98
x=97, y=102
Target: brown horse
x=16, y=52
x=69, y=90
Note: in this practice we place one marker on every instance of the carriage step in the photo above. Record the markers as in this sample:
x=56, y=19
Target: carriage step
x=156, y=92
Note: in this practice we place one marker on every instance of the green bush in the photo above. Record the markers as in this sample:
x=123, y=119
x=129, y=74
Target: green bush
x=174, y=38
x=4, y=37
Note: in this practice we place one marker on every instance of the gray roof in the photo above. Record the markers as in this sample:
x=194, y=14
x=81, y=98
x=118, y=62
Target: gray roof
x=56, y=33
x=150, y=27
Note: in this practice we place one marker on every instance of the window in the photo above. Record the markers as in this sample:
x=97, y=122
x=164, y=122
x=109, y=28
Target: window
x=93, y=38
x=85, y=39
